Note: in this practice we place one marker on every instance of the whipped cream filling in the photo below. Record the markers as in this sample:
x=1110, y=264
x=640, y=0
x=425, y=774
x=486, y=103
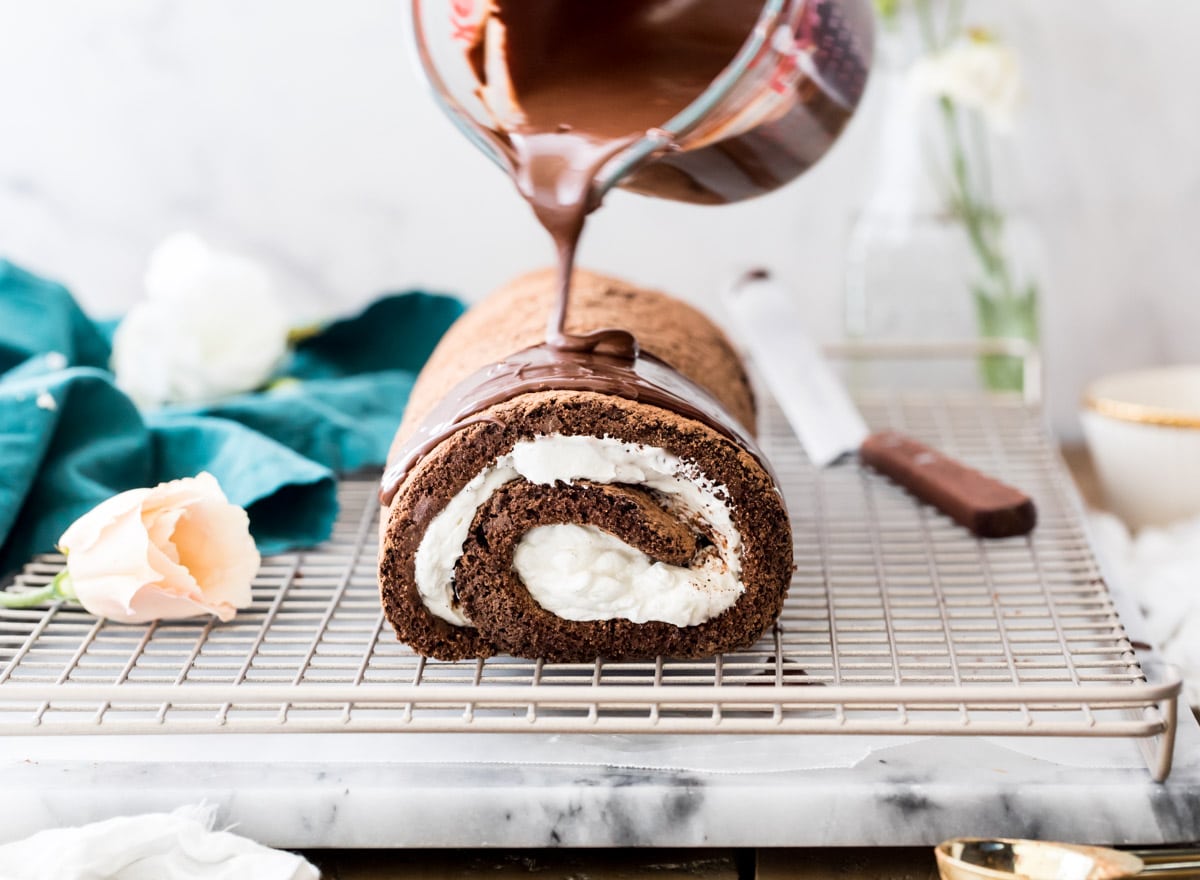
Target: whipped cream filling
x=625, y=583
x=584, y=573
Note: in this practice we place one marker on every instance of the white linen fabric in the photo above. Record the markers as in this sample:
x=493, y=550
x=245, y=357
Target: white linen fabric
x=181, y=845
x=1160, y=567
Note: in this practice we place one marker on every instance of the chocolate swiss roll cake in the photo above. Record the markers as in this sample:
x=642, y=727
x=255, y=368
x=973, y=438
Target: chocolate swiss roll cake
x=568, y=505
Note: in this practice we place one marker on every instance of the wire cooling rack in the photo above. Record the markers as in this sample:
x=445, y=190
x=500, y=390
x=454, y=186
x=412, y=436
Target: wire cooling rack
x=897, y=622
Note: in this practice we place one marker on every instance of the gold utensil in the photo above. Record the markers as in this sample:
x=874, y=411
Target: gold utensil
x=969, y=858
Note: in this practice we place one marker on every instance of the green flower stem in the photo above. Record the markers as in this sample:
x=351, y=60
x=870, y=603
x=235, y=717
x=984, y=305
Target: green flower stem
x=925, y=22
x=66, y=586
x=952, y=26
x=954, y=19
x=59, y=588
x=978, y=216
x=979, y=141
x=1002, y=310
x=974, y=214
x=1009, y=316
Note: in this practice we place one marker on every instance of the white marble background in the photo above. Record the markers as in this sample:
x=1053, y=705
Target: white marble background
x=295, y=131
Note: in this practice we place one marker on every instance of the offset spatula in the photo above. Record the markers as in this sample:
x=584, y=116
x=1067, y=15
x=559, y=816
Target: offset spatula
x=829, y=425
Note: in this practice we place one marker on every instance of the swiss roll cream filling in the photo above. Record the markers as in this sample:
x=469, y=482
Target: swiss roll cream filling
x=583, y=573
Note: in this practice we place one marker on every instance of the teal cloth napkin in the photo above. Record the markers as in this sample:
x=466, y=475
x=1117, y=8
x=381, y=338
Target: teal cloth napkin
x=69, y=438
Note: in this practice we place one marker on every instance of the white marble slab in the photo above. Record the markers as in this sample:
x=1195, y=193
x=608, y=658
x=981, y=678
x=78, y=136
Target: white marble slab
x=418, y=790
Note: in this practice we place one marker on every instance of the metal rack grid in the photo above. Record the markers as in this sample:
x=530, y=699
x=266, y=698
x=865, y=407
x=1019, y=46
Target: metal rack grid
x=897, y=621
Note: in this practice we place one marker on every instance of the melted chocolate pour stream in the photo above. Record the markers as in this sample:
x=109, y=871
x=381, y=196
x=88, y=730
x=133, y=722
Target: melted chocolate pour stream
x=581, y=108
x=554, y=173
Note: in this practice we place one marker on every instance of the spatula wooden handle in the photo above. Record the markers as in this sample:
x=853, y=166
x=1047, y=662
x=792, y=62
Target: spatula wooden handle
x=982, y=504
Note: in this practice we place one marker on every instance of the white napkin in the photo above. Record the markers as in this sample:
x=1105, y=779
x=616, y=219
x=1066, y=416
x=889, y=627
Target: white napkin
x=157, y=846
x=1160, y=567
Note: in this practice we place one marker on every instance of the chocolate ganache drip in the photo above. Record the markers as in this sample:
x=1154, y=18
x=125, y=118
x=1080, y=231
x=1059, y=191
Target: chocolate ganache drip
x=576, y=83
x=645, y=379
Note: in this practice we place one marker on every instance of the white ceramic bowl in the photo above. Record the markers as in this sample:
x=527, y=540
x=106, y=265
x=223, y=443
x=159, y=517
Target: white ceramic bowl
x=1143, y=430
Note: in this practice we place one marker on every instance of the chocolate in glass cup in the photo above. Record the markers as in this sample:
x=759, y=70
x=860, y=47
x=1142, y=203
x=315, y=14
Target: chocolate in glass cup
x=703, y=101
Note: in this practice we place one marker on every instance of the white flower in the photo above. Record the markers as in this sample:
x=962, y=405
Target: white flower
x=978, y=74
x=178, y=550
x=211, y=326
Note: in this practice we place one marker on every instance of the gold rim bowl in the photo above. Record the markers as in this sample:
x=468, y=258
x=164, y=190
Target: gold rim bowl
x=1167, y=397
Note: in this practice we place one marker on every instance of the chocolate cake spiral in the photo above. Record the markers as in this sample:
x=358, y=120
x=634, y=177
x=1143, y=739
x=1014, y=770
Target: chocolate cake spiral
x=567, y=506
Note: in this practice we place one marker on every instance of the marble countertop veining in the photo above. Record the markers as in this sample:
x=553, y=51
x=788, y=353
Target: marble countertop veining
x=428, y=790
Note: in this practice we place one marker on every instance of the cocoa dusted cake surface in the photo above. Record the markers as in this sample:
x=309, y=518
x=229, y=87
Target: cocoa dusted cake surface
x=514, y=318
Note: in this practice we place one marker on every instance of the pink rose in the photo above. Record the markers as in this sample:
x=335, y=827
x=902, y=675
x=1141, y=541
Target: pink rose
x=180, y=549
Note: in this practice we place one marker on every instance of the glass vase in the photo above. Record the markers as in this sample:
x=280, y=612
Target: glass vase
x=917, y=278
x=938, y=251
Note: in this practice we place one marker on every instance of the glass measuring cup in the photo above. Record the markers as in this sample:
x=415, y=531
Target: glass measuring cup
x=766, y=117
